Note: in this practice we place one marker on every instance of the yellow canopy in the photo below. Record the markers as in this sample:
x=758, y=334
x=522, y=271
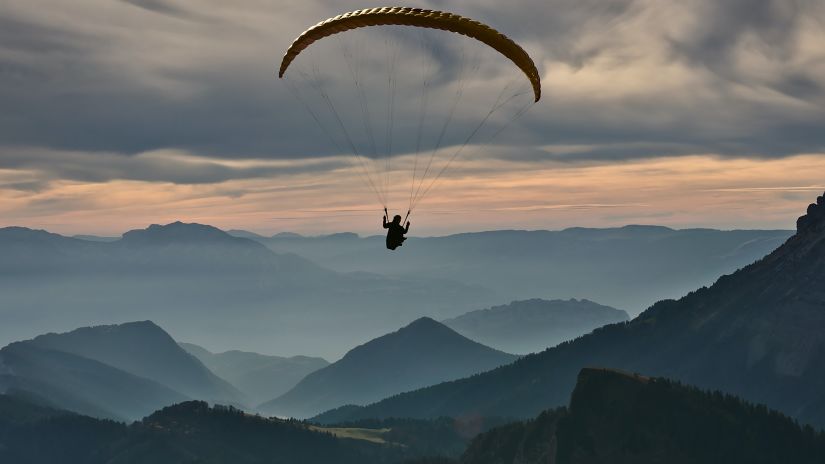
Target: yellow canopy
x=417, y=17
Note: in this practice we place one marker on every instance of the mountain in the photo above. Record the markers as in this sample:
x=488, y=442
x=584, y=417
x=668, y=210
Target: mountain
x=245, y=234
x=187, y=432
x=80, y=384
x=35, y=434
x=613, y=417
x=627, y=267
x=198, y=281
x=195, y=432
x=422, y=353
x=258, y=376
x=28, y=252
x=529, y=326
x=145, y=350
x=623, y=418
x=95, y=238
x=756, y=333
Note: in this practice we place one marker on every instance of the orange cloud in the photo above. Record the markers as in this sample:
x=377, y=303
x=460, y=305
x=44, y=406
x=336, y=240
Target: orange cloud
x=692, y=191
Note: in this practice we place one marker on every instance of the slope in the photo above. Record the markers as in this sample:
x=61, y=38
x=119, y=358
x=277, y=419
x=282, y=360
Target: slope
x=627, y=267
x=195, y=432
x=258, y=376
x=756, y=333
x=198, y=281
x=529, y=326
x=145, y=350
x=619, y=418
x=422, y=353
x=79, y=384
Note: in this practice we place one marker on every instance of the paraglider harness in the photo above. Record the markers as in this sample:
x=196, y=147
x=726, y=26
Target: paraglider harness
x=395, y=232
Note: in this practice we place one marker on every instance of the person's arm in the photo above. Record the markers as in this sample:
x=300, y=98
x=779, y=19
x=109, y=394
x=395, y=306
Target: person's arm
x=384, y=222
x=407, y=229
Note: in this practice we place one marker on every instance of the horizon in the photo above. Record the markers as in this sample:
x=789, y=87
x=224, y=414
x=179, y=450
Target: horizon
x=345, y=232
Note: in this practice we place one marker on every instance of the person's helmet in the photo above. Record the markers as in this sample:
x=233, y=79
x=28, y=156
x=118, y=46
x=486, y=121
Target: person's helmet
x=397, y=218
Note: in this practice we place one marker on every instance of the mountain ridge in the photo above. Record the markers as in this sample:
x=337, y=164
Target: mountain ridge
x=618, y=417
x=51, y=282
x=753, y=333
x=527, y=326
x=628, y=267
x=144, y=349
x=258, y=376
x=420, y=353
x=80, y=384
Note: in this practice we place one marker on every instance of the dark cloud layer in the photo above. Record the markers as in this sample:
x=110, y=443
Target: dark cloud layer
x=110, y=80
x=160, y=166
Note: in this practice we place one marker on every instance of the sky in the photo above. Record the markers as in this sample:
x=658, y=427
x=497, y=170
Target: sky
x=116, y=114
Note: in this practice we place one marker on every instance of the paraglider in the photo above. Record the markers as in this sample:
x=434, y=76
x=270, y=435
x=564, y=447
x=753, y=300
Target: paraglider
x=426, y=66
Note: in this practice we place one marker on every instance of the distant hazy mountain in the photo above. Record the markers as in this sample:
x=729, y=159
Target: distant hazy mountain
x=245, y=234
x=423, y=353
x=629, y=267
x=95, y=238
x=145, y=350
x=202, y=283
x=756, y=333
x=618, y=418
x=258, y=376
x=72, y=382
x=164, y=250
x=529, y=326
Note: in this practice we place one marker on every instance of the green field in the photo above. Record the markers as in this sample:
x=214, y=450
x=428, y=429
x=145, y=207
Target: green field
x=371, y=435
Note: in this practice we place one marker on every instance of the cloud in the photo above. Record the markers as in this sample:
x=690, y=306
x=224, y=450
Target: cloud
x=176, y=102
x=734, y=77
x=173, y=166
x=686, y=191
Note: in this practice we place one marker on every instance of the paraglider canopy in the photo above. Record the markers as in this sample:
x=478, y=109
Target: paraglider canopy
x=417, y=17
x=447, y=82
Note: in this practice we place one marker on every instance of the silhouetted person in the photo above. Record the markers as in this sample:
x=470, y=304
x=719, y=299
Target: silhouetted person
x=395, y=232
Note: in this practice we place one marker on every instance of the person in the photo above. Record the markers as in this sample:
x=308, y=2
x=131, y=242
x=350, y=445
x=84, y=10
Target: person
x=395, y=232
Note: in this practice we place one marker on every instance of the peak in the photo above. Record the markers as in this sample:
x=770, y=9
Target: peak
x=17, y=232
x=287, y=235
x=188, y=227
x=138, y=325
x=417, y=331
x=646, y=228
x=244, y=234
x=814, y=219
x=423, y=323
x=342, y=235
x=605, y=373
x=176, y=231
x=143, y=327
x=186, y=408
